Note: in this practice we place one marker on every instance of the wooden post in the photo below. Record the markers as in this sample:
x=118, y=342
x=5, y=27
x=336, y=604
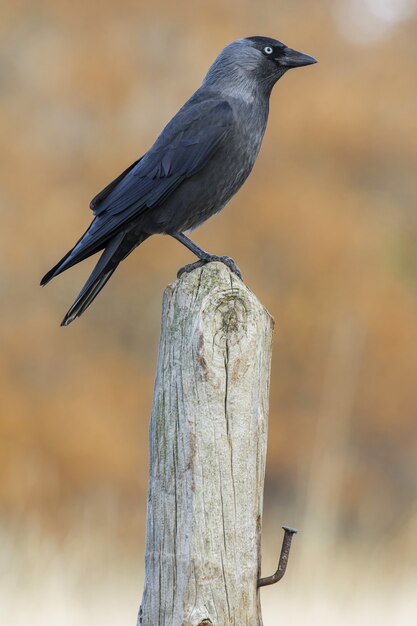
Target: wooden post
x=207, y=454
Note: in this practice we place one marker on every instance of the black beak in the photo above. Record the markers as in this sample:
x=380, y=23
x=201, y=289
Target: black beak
x=292, y=58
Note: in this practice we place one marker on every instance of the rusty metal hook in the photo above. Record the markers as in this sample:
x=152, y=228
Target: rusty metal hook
x=283, y=559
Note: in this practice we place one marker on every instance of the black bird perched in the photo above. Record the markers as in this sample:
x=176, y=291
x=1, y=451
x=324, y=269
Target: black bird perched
x=199, y=161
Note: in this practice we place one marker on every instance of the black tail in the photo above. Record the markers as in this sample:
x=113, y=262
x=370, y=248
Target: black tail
x=79, y=252
x=117, y=249
x=90, y=290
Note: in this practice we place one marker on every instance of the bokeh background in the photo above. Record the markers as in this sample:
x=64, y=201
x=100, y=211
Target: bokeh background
x=325, y=232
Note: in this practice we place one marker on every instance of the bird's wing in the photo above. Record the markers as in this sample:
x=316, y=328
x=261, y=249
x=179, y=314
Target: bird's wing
x=182, y=149
x=106, y=191
x=185, y=145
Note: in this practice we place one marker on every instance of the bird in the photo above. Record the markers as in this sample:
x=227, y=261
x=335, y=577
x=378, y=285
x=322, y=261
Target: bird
x=199, y=161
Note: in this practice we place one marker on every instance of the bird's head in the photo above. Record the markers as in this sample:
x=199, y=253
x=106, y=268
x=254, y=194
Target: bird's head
x=273, y=56
x=256, y=60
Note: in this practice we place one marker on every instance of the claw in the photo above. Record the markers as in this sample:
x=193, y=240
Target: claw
x=230, y=264
x=190, y=267
x=226, y=260
x=205, y=257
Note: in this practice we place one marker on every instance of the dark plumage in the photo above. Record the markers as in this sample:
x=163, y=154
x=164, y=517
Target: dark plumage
x=202, y=157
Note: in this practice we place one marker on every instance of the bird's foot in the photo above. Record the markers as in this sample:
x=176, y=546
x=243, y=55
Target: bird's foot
x=190, y=267
x=230, y=264
x=212, y=257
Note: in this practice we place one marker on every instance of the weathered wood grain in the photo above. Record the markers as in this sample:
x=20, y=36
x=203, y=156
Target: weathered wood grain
x=207, y=454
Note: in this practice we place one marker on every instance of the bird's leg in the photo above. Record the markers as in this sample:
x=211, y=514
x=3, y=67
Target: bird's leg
x=204, y=256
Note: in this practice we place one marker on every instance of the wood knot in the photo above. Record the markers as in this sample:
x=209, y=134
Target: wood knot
x=231, y=317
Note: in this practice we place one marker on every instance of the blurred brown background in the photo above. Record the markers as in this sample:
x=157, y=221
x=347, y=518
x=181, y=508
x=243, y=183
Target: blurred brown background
x=325, y=233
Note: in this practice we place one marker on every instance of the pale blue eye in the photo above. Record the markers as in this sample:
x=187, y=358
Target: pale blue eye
x=268, y=50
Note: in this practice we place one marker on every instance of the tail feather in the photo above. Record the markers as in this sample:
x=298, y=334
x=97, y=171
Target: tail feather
x=108, y=262
x=57, y=269
x=74, y=256
x=84, y=300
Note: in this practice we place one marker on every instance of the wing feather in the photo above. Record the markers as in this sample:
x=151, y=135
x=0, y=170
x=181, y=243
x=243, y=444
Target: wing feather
x=183, y=148
x=105, y=192
x=186, y=144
